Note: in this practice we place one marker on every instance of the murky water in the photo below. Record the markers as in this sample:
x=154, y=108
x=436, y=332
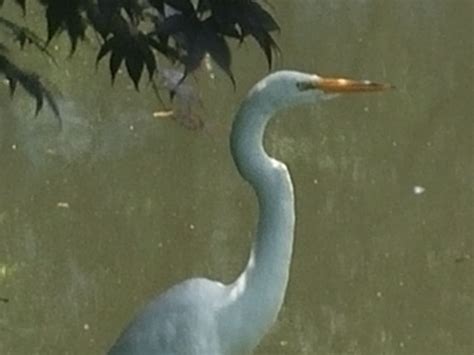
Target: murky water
x=121, y=205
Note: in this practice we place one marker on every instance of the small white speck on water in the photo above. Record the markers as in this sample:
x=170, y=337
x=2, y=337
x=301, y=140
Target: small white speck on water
x=315, y=181
x=379, y=294
x=62, y=205
x=192, y=226
x=13, y=146
x=366, y=109
x=401, y=283
x=283, y=342
x=86, y=326
x=131, y=127
x=394, y=144
x=418, y=190
x=402, y=344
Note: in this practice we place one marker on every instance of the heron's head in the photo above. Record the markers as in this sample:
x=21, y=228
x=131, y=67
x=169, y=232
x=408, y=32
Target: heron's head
x=288, y=88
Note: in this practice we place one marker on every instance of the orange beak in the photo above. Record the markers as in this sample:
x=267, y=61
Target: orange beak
x=342, y=85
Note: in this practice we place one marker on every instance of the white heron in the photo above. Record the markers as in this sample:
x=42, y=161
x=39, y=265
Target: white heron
x=204, y=317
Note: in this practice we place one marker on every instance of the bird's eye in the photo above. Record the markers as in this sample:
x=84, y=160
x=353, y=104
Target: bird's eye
x=304, y=85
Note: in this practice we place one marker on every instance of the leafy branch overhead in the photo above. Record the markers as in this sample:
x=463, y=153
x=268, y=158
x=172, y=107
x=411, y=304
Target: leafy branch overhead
x=180, y=31
x=30, y=82
x=136, y=32
x=23, y=36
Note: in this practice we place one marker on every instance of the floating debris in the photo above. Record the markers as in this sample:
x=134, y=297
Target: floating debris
x=418, y=190
x=184, y=99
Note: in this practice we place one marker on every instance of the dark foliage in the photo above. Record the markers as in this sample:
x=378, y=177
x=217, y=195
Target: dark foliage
x=134, y=32
x=23, y=36
x=242, y=18
x=30, y=82
x=178, y=30
x=65, y=15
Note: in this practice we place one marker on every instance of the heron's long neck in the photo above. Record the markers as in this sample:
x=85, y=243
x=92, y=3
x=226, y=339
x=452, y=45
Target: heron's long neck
x=257, y=295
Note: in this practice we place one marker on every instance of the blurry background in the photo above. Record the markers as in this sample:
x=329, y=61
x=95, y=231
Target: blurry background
x=120, y=205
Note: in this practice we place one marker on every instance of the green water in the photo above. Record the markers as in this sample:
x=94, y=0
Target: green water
x=122, y=205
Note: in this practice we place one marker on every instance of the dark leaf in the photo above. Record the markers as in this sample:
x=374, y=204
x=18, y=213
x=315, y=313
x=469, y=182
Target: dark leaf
x=241, y=18
x=24, y=35
x=133, y=9
x=109, y=8
x=22, y=40
x=105, y=48
x=146, y=53
x=135, y=48
x=12, y=85
x=115, y=61
x=175, y=24
x=134, y=65
x=31, y=83
x=267, y=43
x=203, y=6
x=65, y=15
x=184, y=6
x=169, y=52
x=217, y=48
x=22, y=4
x=230, y=30
x=98, y=20
x=193, y=58
x=39, y=101
x=159, y=5
x=261, y=18
x=54, y=21
x=75, y=29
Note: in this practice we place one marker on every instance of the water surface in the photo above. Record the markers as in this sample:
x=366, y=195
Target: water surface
x=121, y=205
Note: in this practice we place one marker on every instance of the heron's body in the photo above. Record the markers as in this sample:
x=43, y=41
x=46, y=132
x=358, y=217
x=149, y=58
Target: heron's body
x=203, y=317
x=181, y=319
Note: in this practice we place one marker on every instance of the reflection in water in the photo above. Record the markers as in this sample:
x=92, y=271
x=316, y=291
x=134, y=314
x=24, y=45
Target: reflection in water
x=185, y=99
